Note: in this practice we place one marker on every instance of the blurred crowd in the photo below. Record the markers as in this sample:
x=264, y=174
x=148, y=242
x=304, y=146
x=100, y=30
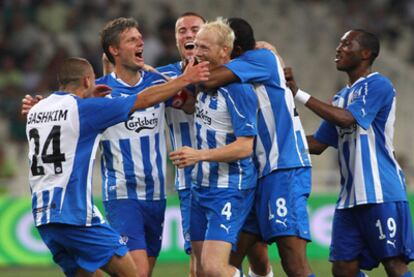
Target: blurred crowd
x=35, y=35
x=391, y=20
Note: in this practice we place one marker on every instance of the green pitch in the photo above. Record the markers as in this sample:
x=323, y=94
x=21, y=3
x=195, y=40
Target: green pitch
x=321, y=269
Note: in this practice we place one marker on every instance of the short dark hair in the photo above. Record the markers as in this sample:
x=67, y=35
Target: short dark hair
x=243, y=32
x=369, y=41
x=72, y=70
x=111, y=32
x=192, y=14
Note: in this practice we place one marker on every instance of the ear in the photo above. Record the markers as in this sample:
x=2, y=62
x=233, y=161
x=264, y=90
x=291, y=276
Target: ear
x=113, y=50
x=237, y=51
x=366, y=54
x=86, y=82
x=224, y=51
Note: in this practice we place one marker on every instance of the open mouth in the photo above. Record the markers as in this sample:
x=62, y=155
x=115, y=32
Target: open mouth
x=138, y=54
x=189, y=46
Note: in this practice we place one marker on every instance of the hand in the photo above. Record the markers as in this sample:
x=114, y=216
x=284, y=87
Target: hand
x=265, y=45
x=149, y=68
x=185, y=156
x=101, y=91
x=28, y=102
x=290, y=80
x=196, y=73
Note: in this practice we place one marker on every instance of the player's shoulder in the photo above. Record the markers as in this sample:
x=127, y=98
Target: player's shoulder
x=237, y=87
x=379, y=78
x=151, y=78
x=106, y=79
x=379, y=84
x=172, y=69
x=258, y=54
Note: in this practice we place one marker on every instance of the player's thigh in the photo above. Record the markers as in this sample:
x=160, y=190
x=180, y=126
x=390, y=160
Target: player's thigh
x=258, y=258
x=215, y=253
x=89, y=247
x=292, y=249
x=126, y=217
x=226, y=212
x=347, y=242
x=387, y=229
x=60, y=255
x=281, y=203
x=121, y=266
x=198, y=218
x=185, y=209
x=245, y=242
x=154, y=214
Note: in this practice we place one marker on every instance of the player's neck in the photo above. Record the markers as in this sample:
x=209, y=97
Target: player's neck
x=354, y=75
x=131, y=77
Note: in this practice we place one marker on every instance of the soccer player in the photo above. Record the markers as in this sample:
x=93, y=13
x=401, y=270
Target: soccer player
x=224, y=174
x=372, y=221
x=281, y=154
x=63, y=131
x=134, y=152
x=180, y=123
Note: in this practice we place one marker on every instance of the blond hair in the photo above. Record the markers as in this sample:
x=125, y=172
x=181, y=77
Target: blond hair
x=221, y=28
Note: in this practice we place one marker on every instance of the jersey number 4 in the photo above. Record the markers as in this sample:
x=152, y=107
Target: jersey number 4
x=56, y=157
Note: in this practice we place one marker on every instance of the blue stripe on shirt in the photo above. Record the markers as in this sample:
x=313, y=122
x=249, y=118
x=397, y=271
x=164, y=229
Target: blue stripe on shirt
x=146, y=161
x=46, y=208
x=367, y=169
x=108, y=168
x=214, y=166
x=159, y=162
x=128, y=164
x=199, y=176
x=234, y=170
x=186, y=141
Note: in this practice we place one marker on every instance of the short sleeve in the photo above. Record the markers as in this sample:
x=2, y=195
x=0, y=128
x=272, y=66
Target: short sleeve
x=101, y=113
x=242, y=104
x=255, y=66
x=327, y=134
x=374, y=95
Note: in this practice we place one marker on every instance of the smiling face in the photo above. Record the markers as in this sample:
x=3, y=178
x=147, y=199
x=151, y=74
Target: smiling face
x=349, y=52
x=186, y=29
x=208, y=48
x=128, y=52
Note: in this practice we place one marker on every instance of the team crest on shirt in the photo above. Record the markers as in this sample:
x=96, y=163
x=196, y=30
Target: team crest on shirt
x=139, y=123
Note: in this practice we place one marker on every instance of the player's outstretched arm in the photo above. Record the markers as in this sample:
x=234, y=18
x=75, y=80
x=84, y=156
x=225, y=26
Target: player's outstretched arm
x=156, y=94
x=337, y=116
x=241, y=148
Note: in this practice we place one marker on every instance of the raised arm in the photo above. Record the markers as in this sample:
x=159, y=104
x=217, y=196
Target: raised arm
x=337, y=116
x=220, y=76
x=156, y=94
x=241, y=148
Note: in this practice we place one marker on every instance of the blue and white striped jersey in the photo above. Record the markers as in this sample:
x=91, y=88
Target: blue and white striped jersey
x=369, y=170
x=281, y=141
x=134, y=152
x=220, y=118
x=63, y=131
x=181, y=127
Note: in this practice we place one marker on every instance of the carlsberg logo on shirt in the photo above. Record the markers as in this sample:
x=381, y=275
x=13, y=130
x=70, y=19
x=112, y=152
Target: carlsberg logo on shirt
x=203, y=115
x=138, y=124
